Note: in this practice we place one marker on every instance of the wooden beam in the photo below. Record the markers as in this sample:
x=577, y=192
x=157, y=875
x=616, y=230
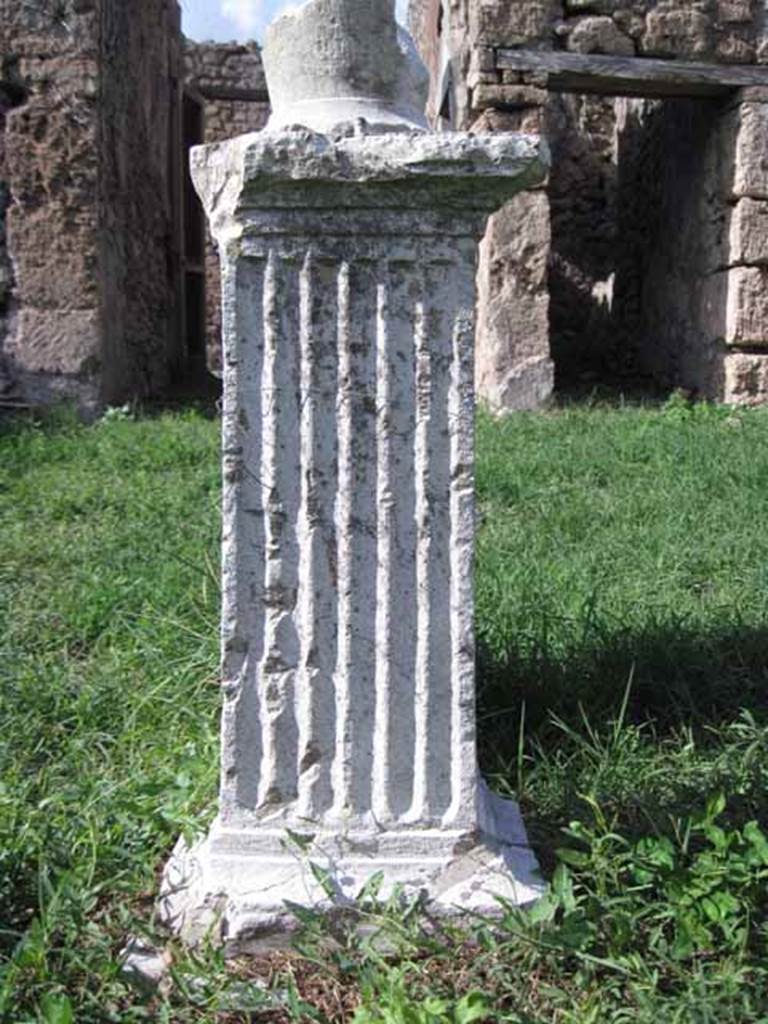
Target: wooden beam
x=226, y=92
x=631, y=76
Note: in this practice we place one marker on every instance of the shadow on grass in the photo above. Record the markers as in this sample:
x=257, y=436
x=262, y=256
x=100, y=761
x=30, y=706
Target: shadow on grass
x=195, y=392
x=680, y=678
x=602, y=391
x=200, y=391
x=695, y=723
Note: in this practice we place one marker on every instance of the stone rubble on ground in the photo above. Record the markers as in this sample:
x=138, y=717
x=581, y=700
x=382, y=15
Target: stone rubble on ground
x=143, y=966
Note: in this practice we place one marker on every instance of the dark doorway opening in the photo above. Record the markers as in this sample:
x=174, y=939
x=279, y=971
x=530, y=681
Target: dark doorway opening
x=637, y=211
x=194, y=244
x=642, y=204
x=12, y=94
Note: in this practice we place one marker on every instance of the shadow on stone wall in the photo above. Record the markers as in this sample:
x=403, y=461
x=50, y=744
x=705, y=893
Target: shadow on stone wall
x=638, y=195
x=675, y=173
x=12, y=94
x=583, y=204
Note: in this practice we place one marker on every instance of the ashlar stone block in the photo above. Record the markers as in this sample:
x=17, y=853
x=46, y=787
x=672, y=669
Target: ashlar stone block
x=600, y=34
x=680, y=31
x=748, y=233
x=746, y=378
x=515, y=23
x=513, y=367
x=736, y=45
x=751, y=163
x=508, y=97
x=737, y=12
x=747, y=306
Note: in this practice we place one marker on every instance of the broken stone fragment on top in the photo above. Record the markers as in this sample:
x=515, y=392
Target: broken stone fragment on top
x=334, y=62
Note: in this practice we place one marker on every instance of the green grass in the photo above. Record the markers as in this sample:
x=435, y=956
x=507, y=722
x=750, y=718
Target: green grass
x=621, y=591
x=622, y=545
x=107, y=698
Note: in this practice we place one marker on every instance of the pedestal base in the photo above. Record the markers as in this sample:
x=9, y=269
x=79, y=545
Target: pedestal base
x=236, y=886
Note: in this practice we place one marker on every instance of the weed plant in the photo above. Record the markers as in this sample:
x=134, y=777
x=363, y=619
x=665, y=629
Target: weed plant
x=621, y=589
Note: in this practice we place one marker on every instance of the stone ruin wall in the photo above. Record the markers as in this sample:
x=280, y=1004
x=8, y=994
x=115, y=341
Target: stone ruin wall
x=709, y=278
x=85, y=176
x=9, y=98
x=141, y=81
x=600, y=279
x=52, y=324
x=585, y=270
x=228, y=79
x=92, y=179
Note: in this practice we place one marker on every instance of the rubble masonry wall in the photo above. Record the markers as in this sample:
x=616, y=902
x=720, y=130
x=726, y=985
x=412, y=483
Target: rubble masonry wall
x=86, y=177
x=625, y=176
x=229, y=80
x=50, y=337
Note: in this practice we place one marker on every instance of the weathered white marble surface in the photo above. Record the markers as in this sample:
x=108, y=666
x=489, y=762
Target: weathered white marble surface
x=330, y=61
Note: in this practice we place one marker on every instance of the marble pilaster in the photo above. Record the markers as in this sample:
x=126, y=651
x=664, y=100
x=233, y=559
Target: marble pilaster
x=348, y=737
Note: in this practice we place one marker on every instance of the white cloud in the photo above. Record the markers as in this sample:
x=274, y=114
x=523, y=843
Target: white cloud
x=248, y=15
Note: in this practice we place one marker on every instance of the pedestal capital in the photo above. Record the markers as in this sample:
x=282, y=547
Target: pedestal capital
x=356, y=168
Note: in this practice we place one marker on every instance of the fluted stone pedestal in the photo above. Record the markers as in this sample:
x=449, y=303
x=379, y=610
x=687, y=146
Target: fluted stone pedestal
x=349, y=719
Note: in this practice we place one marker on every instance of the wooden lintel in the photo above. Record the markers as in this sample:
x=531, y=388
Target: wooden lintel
x=218, y=92
x=631, y=76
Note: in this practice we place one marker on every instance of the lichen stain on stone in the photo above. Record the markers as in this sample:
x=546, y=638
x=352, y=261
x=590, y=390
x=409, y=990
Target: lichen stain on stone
x=312, y=756
x=236, y=644
x=274, y=665
x=280, y=596
x=333, y=570
x=273, y=796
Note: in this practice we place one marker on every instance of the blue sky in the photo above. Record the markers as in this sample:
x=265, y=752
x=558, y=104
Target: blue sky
x=237, y=19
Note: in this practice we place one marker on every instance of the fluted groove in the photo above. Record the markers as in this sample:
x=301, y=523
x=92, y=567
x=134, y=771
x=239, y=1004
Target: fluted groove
x=317, y=532
x=419, y=807
x=462, y=546
x=432, y=783
x=243, y=542
x=441, y=291
x=354, y=493
x=357, y=528
x=341, y=765
x=396, y=567
x=281, y=488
